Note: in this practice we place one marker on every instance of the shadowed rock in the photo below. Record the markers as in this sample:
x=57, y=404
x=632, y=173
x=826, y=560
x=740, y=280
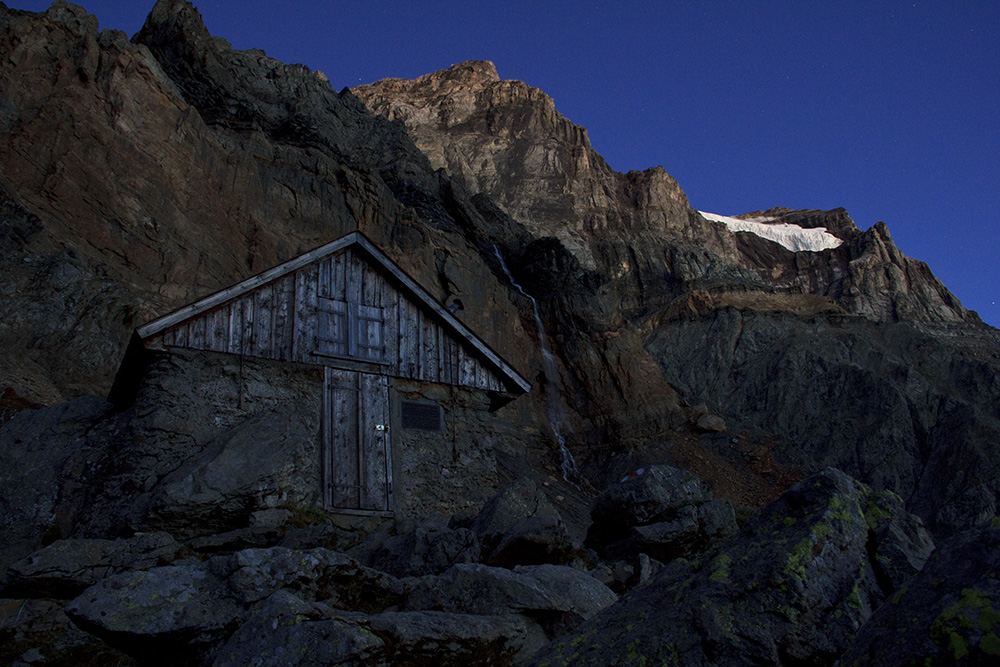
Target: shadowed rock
x=41, y=454
x=284, y=629
x=418, y=546
x=554, y=598
x=949, y=614
x=792, y=587
x=663, y=512
x=182, y=611
x=535, y=540
x=65, y=568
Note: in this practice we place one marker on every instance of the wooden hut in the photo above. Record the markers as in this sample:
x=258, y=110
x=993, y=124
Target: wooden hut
x=351, y=311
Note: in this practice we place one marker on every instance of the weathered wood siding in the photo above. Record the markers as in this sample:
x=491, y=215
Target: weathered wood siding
x=279, y=320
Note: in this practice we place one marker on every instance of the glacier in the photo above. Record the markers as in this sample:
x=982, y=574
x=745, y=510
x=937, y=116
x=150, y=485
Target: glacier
x=793, y=237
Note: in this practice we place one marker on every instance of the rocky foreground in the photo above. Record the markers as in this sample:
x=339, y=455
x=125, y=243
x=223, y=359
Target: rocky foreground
x=830, y=571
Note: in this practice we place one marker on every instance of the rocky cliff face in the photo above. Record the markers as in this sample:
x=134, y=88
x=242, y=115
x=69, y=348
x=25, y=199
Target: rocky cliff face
x=507, y=139
x=730, y=319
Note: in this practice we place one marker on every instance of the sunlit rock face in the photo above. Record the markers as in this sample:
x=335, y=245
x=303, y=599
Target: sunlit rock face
x=506, y=139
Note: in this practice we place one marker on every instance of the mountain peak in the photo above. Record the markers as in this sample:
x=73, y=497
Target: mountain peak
x=468, y=76
x=471, y=71
x=74, y=17
x=174, y=19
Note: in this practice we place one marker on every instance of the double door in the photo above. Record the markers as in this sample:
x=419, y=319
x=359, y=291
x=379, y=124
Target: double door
x=357, y=454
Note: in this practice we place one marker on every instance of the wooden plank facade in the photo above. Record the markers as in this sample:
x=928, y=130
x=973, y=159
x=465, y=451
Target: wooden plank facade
x=342, y=307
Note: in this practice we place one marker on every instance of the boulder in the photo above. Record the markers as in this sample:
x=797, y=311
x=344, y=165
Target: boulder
x=792, y=587
x=318, y=574
x=711, y=423
x=664, y=512
x=418, y=546
x=903, y=544
x=618, y=575
x=234, y=475
x=481, y=589
x=664, y=540
x=553, y=598
x=181, y=612
x=655, y=495
x=621, y=576
x=645, y=568
x=40, y=628
x=717, y=518
x=519, y=500
x=693, y=530
x=66, y=568
x=268, y=606
x=165, y=614
x=948, y=614
x=520, y=526
x=285, y=629
x=288, y=629
x=534, y=540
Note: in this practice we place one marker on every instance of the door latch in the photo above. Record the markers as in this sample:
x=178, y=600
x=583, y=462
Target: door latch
x=381, y=427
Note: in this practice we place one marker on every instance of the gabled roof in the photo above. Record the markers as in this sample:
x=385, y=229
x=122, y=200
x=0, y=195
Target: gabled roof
x=356, y=241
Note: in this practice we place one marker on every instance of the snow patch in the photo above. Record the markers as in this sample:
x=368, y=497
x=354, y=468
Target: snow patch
x=793, y=237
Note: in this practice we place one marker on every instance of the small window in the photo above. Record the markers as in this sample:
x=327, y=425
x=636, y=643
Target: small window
x=345, y=329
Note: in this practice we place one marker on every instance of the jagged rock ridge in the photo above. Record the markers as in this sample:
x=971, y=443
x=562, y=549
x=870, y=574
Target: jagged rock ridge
x=507, y=140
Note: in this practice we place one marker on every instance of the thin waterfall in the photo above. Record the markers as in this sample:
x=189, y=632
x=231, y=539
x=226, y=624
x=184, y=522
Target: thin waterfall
x=557, y=411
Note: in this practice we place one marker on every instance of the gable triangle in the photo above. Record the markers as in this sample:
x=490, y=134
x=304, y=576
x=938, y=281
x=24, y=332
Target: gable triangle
x=344, y=302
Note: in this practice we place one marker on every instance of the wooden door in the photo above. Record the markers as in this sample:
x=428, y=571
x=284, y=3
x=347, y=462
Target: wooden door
x=357, y=462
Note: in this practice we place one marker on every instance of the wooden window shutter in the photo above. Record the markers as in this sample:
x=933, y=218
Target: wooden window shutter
x=346, y=329
x=332, y=327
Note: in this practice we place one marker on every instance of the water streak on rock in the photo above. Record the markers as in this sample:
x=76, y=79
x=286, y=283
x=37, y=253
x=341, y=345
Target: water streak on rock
x=557, y=412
